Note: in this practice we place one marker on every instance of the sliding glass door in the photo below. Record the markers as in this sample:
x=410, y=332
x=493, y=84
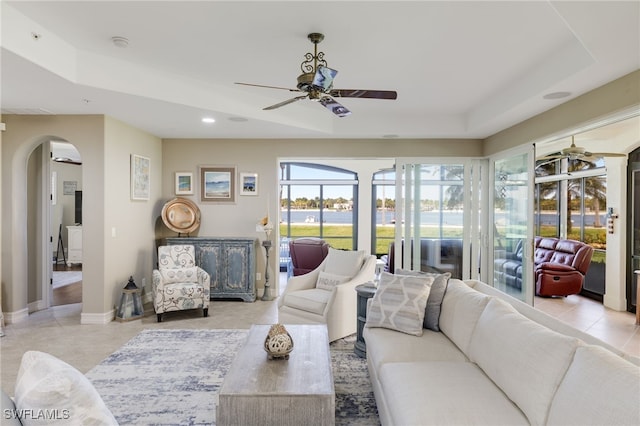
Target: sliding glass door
x=512, y=217
x=434, y=207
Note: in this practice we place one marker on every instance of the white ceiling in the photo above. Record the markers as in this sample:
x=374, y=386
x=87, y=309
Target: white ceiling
x=461, y=69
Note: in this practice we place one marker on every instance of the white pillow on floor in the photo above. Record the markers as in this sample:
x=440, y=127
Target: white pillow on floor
x=55, y=393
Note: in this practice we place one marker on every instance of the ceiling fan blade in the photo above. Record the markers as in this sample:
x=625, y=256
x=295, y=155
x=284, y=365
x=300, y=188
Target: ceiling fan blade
x=334, y=107
x=604, y=154
x=359, y=93
x=268, y=87
x=287, y=102
x=550, y=157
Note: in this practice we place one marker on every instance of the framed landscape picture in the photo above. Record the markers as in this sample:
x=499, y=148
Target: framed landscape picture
x=140, y=177
x=184, y=183
x=218, y=184
x=248, y=184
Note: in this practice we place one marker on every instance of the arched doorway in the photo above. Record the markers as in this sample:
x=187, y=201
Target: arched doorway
x=54, y=176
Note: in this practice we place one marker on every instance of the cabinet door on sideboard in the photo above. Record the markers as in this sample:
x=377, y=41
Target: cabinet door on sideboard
x=230, y=263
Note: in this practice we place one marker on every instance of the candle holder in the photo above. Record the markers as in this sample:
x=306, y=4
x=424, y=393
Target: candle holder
x=266, y=296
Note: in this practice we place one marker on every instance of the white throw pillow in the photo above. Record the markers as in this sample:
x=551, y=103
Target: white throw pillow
x=327, y=281
x=399, y=303
x=344, y=262
x=180, y=275
x=58, y=392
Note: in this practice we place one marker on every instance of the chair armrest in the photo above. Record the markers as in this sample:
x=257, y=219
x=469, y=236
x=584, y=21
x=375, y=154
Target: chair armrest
x=156, y=280
x=301, y=282
x=554, y=267
x=203, y=277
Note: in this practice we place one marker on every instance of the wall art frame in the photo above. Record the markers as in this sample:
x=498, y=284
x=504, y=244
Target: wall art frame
x=218, y=184
x=248, y=183
x=140, y=177
x=184, y=183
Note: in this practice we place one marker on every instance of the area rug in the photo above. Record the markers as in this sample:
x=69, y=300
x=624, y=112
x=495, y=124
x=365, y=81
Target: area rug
x=172, y=377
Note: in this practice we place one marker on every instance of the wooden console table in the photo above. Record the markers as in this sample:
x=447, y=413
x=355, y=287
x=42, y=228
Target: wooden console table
x=230, y=262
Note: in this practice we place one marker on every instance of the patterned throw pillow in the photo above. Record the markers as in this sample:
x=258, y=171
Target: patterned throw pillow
x=399, y=303
x=327, y=281
x=434, y=302
x=180, y=275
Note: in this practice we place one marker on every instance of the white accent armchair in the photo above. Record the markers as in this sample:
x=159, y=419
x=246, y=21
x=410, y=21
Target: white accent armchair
x=178, y=284
x=327, y=294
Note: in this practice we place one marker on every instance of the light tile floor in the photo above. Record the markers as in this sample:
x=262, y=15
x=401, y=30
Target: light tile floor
x=58, y=330
x=616, y=328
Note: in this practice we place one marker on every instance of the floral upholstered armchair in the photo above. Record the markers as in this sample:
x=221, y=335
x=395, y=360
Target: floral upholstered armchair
x=178, y=284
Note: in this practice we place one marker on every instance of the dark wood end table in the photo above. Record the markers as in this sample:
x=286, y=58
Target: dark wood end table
x=365, y=292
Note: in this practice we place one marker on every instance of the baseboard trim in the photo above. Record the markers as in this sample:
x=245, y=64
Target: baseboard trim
x=17, y=316
x=97, y=319
x=36, y=306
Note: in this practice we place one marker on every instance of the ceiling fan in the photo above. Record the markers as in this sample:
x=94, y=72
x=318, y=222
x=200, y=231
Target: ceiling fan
x=316, y=81
x=574, y=152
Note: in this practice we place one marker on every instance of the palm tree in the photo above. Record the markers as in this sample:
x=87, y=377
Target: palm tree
x=595, y=188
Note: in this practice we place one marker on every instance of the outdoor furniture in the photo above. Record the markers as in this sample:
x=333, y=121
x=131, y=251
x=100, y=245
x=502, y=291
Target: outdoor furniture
x=307, y=253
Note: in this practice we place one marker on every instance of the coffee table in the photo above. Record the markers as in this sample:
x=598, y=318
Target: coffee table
x=297, y=391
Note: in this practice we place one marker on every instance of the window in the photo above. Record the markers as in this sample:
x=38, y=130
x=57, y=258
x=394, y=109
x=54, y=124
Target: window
x=319, y=201
x=383, y=211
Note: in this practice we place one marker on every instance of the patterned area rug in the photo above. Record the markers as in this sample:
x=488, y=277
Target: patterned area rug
x=172, y=377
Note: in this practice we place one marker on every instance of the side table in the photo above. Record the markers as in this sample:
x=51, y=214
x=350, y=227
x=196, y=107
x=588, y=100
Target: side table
x=365, y=292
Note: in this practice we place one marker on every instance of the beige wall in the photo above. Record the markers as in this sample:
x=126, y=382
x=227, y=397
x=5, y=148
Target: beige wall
x=131, y=252
x=104, y=146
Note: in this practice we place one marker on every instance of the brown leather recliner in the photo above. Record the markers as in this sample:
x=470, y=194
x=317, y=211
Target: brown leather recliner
x=560, y=266
x=307, y=254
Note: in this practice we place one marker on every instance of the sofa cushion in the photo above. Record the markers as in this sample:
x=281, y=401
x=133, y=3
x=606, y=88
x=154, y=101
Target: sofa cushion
x=45, y=383
x=344, y=262
x=445, y=393
x=399, y=303
x=383, y=344
x=311, y=300
x=327, y=281
x=461, y=308
x=434, y=302
x=525, y=359
x=179, y=275
x=597, y=379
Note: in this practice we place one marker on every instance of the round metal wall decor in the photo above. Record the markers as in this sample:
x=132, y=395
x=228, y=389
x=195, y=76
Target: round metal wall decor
x=181, y=215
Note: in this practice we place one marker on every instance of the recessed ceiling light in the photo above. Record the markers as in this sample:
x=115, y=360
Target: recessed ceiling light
x=120, y=41
x=556, y=95
x=208, y=120
x=238, y=119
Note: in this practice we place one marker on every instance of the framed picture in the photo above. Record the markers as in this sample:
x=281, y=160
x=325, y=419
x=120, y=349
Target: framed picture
x=248, y=184
x=140, y=177
x=218, y=184
x=184, y=183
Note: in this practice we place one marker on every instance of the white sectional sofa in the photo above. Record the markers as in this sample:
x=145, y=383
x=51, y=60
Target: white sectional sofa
x=498, y=361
